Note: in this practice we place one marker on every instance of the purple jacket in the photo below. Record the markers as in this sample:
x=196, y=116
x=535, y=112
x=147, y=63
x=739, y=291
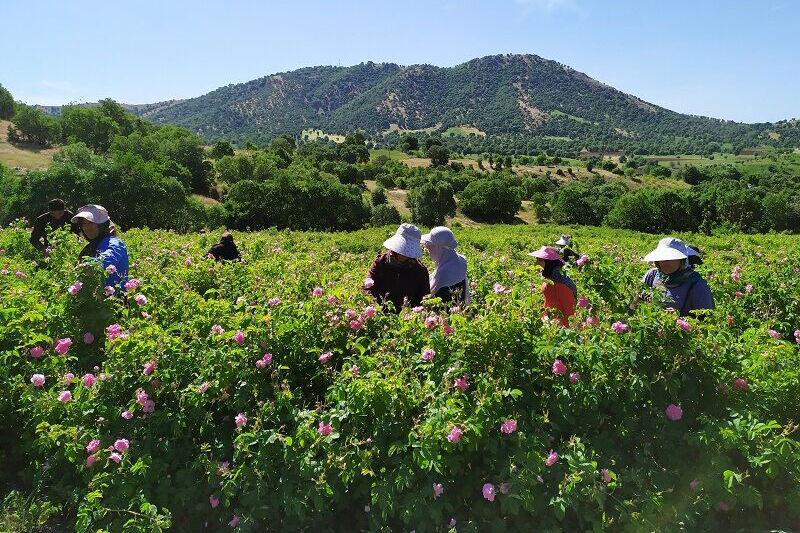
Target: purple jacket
x=691, y=295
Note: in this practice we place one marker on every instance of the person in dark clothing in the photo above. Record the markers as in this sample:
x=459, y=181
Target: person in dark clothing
x=694, y=255
x=564, y=247
x=396, y=276
x=57, y=217
x=225, y=249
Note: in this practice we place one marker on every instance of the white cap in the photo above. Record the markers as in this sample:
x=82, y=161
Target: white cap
x=441, y=236
x=563, y=241
x=668, y=248
x=93, y=213
x=405, y=241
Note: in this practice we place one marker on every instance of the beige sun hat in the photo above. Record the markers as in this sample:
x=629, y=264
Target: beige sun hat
x=405, y=241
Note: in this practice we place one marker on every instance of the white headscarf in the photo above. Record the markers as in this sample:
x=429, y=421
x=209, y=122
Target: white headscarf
x=451, y=267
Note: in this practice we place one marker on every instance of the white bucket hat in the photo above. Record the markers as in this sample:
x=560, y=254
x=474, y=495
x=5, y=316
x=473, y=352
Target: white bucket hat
x=405, y=241
x=93, y=213
x=441, y=236
x=668, y=248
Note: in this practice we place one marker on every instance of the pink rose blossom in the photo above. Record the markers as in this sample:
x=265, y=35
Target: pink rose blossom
x=324, y=428
x=350, y=313
x=127, y=415
x=115, y=457
x=62, y=345
x=461, y=383
x=121, y=445
x=368, y=283
x=370, y=311
x=141, y=299
x=428, y=354
x=113, y=331
x=238, y=337
x=498, y=288
x=234, y=521
x=88, y=338
x=619, y=327
x=509, y=426
x=188, y=262
x=316, y=292
x=108, y=290
x=142, y=397
x=93, y=446
x=90, y=461
x=216, y=329
x=89, y=380
x=418, y=309
x=36, y=352
x=774, y=334
x=333, y=300
x=748, y=288
x=111, y=269
x=149, y=368
x=324, y=358
x=574, y=377
x=592, y=321
x=606, y=475
x=583, y=302
x=741, y=384
x=551, y=458
x=674, y=412
x=272, y=302
x=455, y=434
x=438, y=489
x=447, y=329
x=267, y=358
x=65, y=396
x=582, y=260
x=431, y=322
x=241, y=420
x=559, y=367
x=489, y=491
x=75, y=288
x=37, y=380
x=67, y=377
x=354, y=371
x=214, y=501
x=356, y=324
x=149, y=406
x=684, y=325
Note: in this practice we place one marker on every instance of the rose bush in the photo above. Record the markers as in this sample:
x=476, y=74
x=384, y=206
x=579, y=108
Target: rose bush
x=236, y=396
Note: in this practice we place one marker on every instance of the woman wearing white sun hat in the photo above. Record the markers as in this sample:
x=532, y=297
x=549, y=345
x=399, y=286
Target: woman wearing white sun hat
x=396, y=275
x=103, y=244
x=449, y=280
x=680, y=286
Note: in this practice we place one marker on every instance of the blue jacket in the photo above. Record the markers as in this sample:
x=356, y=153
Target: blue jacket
x=111, y=250
x=690, y=295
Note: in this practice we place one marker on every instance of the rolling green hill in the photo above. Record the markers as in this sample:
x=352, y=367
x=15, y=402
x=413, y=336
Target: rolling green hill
x=509, y=97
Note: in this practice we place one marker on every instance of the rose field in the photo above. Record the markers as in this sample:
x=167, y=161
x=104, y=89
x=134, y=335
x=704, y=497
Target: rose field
x=271, y=395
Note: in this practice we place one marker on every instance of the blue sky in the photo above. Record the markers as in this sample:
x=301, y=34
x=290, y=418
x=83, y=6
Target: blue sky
x=729, y=59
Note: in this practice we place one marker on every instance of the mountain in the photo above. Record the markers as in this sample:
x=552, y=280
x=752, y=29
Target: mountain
x=523, y=102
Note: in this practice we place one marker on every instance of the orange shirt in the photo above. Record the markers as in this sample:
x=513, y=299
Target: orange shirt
x=559, y=296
